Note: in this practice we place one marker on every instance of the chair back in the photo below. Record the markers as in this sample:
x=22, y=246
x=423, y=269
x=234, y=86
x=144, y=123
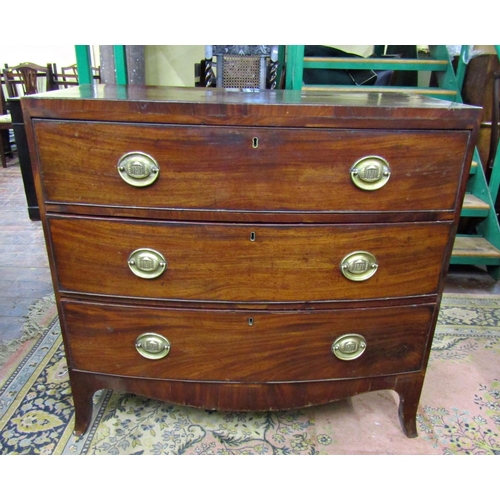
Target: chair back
x=66, y=77
x=23, y=79
x=3, y=108
x=13, y=82
x=241, y=66
x=6, y=126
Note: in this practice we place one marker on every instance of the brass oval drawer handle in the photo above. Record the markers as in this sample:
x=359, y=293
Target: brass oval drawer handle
x=147, y=263
x=138, y=169
x=349, y=346
x=370, y=173
x=152, y=345
x=359, y=266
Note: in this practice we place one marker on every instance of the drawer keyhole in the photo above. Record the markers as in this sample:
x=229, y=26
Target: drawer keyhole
x=253, y=236
x=255, y=142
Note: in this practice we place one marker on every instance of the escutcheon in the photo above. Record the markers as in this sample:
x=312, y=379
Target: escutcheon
x=359, y=266
x=138, y=169
x=147, y=263
x=370, y=173
x=152, y=345
x=348, y=347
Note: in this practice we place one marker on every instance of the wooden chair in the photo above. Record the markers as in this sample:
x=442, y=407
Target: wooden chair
x=13, y=82
x=5, y=127
x=23, y=79
x=239, y=66
x=67, y=77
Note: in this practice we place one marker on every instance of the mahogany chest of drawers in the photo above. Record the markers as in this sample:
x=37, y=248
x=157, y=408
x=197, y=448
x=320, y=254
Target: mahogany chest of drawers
x=248, y=250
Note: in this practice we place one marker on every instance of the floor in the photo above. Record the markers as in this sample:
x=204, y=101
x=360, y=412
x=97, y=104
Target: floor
x=24, y=267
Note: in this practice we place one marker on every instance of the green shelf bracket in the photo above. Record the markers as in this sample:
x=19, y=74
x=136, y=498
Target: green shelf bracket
x=120, y=64
x=462, y=66
x=447, y=79
x=294, y=66
x=83, y=64
x=494, y=182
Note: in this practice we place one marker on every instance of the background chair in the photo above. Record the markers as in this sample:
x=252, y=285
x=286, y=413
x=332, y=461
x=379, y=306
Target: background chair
x=30, y=74
x=239, y=67
x=25, y=79
x=6, y=126
x=67, y=76
x=12, y=81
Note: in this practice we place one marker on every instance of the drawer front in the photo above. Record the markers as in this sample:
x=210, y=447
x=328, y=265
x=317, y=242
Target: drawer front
x=249, y=169
x=247, y=263
x=226, y=346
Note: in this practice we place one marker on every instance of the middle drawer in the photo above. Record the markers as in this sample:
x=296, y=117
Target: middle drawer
x=247, y=263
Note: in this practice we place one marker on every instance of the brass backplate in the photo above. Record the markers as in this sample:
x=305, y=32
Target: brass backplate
x=359, y=265
x=138, y=169
x=349, y=346
x=147, y=263
x=370, y=173
x=152, y=345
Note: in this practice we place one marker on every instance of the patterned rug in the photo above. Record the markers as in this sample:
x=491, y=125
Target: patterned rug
x=459, y=410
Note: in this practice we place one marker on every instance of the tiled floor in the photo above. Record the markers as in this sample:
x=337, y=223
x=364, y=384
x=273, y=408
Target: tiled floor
x=24, y=268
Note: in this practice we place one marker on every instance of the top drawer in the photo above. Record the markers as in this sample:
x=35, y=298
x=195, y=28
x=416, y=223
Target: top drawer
x=249, y=169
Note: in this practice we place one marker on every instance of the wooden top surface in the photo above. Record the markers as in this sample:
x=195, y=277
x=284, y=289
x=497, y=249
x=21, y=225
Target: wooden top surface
x=195, y=105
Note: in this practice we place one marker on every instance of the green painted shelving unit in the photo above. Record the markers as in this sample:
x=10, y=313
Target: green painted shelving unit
x=480, y=245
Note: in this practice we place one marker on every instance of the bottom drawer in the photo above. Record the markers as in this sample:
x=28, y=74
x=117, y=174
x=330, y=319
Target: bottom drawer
x=245, y=346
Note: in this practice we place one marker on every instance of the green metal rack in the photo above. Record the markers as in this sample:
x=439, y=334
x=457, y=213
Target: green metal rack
x=438, y=62
x=480, y=243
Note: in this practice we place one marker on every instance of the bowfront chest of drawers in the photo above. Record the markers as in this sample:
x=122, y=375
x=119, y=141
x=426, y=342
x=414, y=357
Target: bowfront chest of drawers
x=248, y=250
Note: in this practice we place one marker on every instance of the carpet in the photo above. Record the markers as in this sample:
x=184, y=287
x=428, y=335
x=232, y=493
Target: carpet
x=459, y=412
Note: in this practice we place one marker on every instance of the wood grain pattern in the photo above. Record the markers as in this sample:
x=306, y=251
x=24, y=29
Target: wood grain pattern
x=221, y=345
x=226, y=396
x=218, y=262
x=217, y=169
x=199, y=106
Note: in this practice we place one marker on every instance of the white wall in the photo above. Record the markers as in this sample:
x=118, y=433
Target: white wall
x=172, y=65
x=62, y=55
